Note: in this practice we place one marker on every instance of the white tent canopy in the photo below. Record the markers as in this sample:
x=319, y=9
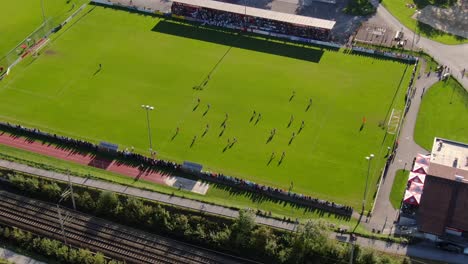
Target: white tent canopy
x=413, y=194
x=417, y=177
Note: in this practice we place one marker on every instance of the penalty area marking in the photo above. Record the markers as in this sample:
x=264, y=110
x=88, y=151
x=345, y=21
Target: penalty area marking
x=394, y=121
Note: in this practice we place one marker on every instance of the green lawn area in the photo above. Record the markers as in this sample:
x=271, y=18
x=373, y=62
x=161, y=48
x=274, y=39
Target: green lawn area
x=443, y=113
x=147, y=60
x=398, y=188
x=404, y=14
x=19, y=18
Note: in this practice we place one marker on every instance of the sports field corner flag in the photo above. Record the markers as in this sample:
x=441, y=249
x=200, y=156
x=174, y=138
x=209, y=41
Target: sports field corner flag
x=364, y=120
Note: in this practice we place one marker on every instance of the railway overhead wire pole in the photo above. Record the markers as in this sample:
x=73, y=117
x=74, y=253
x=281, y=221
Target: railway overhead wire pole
x=65, y=218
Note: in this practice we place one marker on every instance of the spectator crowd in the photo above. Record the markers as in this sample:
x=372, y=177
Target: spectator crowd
x=240, y=21
x=158, y=164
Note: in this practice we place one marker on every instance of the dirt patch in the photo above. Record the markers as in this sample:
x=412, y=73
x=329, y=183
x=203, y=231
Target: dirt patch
x=50, y=52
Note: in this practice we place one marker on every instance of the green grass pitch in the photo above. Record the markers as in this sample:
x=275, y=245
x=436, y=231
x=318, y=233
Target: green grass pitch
x=146, y=60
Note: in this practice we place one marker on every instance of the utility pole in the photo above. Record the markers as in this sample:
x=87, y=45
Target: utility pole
x=64, y=195
x=71, y=190
x=62, y=227
x=351, y=255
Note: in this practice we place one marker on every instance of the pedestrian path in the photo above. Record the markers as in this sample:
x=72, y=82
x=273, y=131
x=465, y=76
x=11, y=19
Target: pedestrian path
x=150, y=195
x=384, y=214
x=17, y=258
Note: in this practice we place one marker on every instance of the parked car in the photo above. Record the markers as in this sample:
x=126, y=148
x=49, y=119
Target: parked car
x=451, y=247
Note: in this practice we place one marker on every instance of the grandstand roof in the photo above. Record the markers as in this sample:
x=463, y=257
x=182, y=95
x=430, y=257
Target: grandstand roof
x=262, y=13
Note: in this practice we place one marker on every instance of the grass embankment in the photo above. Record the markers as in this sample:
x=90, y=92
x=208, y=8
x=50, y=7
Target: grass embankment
x=398, y=188
x=443, y=113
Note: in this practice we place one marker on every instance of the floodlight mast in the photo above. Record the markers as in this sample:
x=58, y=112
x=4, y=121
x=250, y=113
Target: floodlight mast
x=147, y=109
x=369, y=159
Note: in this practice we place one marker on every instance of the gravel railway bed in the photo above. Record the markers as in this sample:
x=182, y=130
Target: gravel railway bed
x=116, y=241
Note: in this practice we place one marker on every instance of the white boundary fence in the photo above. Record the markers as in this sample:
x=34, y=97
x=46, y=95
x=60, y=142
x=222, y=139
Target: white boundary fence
x=399, y=56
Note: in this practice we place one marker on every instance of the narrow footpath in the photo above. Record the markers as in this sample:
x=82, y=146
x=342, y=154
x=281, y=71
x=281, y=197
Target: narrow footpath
x=384, y=214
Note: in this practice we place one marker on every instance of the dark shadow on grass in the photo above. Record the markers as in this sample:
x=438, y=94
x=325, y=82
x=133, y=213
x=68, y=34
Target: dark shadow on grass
x=270, y=160
x=238, y=40
x=270, y=138
x=258, y=198
x=361, y=128
x=258, y=120
x=97, y=71
x=222, y=132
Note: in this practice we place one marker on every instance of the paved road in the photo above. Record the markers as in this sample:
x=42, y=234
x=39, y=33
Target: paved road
x=454, y=56
x=17, y=258
x=384, y=214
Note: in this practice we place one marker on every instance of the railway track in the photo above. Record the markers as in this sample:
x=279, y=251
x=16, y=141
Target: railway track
x=116, y=241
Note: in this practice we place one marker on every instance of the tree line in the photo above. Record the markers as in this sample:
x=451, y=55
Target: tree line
x=51, y=249
x=240, y=237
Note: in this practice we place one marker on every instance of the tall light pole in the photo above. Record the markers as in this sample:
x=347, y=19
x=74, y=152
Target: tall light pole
x=369, y=159
x=147, y=109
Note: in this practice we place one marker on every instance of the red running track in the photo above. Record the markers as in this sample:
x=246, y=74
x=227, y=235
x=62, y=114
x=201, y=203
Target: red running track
x=83, y=158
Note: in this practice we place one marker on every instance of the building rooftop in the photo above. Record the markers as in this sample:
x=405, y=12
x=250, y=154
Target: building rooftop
x=444, y=202
x=450, y=153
